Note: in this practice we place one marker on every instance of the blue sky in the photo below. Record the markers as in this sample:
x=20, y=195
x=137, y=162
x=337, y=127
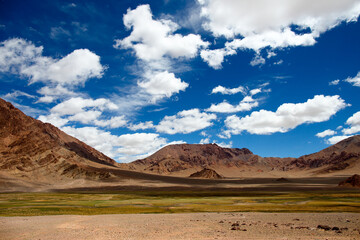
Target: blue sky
x=128, y=77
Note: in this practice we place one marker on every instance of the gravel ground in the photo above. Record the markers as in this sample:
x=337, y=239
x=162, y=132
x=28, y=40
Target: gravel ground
x=185, y=226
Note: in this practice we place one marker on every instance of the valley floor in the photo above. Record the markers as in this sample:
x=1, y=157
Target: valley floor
x=184, y=226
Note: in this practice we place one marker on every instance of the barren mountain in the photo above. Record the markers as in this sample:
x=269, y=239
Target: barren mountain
x=39, y=152
x=189, y=158
x=35, y=154
x=185, y=159
x=344, y=155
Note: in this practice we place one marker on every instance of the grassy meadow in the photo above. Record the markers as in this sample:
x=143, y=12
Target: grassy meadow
x=124, y=202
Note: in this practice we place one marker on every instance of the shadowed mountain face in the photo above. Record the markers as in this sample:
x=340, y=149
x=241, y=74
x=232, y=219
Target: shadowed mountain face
x=41, y=152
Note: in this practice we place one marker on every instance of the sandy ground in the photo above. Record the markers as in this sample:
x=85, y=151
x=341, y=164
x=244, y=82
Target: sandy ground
x=184, y=226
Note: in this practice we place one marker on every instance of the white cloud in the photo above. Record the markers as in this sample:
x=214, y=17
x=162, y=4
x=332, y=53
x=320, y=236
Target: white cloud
x=205, y=141
x=355, y=81
x=186, y=121
x=354, y=123
x=228, y=91
x=336, y=139
x=86, y=111
x=215, y=58
x=162, y=84
x=15, y=94
x=245, y=105
x=334, y=83
x=257, y=60
x=22, y=57
x=326, y=133
x=260, y=24
x=124, y=148
x=231, y=17
x=78, y=104
x=153, y=39
x=224, y=145
x=287, y=116
x=113, y=122
x=142, y=126
x=54, y=119
x=50, y=94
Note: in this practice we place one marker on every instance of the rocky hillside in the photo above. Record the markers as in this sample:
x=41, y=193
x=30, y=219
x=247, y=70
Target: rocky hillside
x=189, y=158
x=341, y=156
x=40, y=152
x=179, y=157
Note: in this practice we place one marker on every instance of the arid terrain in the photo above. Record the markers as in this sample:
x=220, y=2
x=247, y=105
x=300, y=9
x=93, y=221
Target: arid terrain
x=185, y=226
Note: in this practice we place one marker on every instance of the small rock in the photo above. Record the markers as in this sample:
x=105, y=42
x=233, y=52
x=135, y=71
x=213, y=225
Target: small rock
x=244, y=230
x=235, y=225
x=335, y=229
x=338, y=231
x=325, y=227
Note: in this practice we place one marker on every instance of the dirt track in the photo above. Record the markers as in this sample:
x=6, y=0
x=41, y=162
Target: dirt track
x=184, y=226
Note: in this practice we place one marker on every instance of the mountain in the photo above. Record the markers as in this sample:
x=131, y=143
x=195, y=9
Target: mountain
x=193, y=157
x=186, y=159
x=39, y=152
x=345, y=155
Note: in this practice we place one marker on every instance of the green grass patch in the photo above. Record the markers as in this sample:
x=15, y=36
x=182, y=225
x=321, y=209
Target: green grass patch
x=125, y=202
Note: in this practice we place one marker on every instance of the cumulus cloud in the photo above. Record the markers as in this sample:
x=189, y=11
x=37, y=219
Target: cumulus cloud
x=245, y=105
x=326, y=133
x=228, y=91
x=162, y=84
x=257, y=60
x=142, y=126
x=22, y=57
x=288, y=116
x=153, y=39
x=334, y=83
x=354, y=123
x=336, y=139
x=274, y=24
x=123, y=148
x=355, y=81
x=86, y=111
x=186, y=121
x=214, y=58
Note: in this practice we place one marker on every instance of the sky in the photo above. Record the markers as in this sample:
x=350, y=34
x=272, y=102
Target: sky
x=281, y=78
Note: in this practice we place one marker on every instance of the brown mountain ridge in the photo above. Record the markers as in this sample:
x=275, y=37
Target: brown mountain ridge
x=33, y=153
x=39, y=152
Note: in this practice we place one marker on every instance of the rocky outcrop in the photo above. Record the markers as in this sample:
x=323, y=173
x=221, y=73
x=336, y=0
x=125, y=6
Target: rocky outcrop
x=353, y=181
x=206, y=173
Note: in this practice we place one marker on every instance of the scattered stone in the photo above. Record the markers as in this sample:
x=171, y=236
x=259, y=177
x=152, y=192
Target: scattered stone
x=335, y=229
x=235, y=225
x=324, y=227
x=338, y=231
